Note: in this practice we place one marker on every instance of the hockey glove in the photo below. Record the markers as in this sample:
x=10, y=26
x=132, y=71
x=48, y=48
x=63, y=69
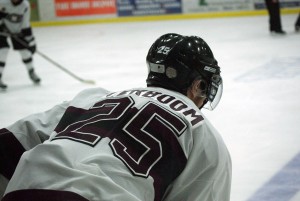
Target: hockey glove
x=29, y=38
x=3, y=30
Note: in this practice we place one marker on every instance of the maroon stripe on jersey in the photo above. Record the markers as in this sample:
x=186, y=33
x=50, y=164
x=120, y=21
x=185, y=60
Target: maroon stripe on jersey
x=71, y=115
x=11, y=151
x=42, y=195
x=172, y=162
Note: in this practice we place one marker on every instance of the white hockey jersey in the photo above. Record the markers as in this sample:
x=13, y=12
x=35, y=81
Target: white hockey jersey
x=18, y=17
x=141, y=144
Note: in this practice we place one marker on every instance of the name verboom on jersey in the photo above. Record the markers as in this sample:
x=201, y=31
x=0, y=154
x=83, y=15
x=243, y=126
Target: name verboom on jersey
x=171, y=101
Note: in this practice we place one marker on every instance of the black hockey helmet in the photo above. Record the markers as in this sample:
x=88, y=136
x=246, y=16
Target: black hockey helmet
x=175, y=61
x=16, y=2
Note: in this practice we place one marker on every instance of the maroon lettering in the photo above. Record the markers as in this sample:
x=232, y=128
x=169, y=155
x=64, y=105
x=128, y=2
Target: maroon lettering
x=178, y=105
x=196, y=117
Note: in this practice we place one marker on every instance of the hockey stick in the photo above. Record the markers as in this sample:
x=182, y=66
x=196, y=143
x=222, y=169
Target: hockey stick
x=50, y=60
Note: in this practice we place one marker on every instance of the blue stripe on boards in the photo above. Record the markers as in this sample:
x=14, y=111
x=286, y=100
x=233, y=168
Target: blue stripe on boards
x=282, y=186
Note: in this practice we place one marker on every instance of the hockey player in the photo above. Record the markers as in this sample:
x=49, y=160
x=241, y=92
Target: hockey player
x=297, y=24
x=15, y=24
x=141, y=144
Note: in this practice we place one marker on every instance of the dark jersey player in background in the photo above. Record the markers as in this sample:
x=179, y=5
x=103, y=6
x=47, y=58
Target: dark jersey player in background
x=15, y=24
x=140, y=144
x=275, y=26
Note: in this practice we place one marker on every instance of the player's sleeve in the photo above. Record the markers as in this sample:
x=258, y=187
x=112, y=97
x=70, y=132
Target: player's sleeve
x=207, y=175
x=24, y=135
x=26, y=31
x=26, y=17
x=3, y=184
x=34, y=130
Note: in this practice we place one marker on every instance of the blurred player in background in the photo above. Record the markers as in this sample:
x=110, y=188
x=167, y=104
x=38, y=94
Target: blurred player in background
x=15, y=24
x=140, y=144
x=273, y=7
x=297, y=24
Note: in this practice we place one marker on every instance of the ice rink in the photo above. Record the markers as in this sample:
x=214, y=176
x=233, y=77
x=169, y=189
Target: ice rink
x=258, y=116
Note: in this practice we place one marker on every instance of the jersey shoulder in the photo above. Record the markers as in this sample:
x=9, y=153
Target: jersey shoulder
x=26, y=3
x=87, y=97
